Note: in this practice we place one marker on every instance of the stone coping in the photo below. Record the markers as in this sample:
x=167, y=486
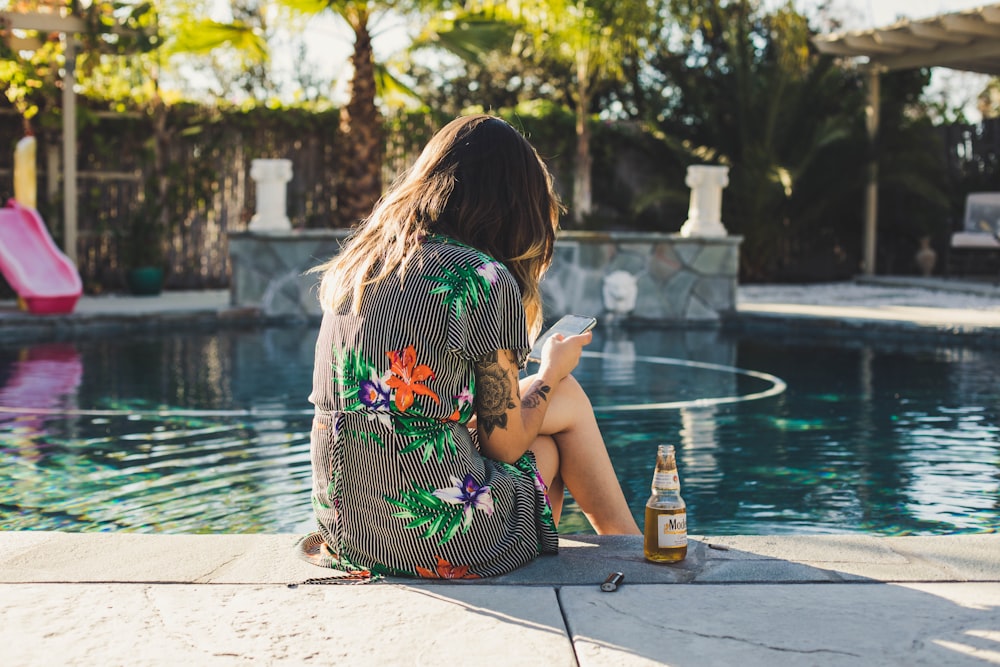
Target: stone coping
x=562, y=235
x=584, y=560
x=98, y=316
x=871, y=323
x=941, y=325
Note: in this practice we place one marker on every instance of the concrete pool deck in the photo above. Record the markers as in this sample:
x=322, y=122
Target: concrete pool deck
x=895, y=307
x=128, y=599
x=131, y=599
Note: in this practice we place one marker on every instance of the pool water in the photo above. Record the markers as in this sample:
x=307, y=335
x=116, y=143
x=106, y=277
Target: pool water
x=208, y=432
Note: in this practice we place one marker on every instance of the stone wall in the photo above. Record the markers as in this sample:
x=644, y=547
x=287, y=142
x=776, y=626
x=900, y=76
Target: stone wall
x=643, y=276
x=621, y=275
x=269, y=270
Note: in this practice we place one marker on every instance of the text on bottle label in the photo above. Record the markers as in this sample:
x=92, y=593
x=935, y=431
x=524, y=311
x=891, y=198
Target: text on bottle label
x=671, y=530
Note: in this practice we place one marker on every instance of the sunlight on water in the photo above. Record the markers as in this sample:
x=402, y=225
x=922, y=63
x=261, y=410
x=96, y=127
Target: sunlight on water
x=209, y=432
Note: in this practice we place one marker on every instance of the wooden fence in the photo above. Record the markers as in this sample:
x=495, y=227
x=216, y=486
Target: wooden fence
x=208, y=162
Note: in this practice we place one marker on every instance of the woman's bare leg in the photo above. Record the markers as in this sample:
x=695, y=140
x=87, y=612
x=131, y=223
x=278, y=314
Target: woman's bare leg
x=582, y=462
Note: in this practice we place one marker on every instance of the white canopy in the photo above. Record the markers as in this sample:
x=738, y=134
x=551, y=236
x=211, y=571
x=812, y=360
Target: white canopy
x=968, y=40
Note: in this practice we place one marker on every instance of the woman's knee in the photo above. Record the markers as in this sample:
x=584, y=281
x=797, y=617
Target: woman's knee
x=570, y=395
x=569, y=404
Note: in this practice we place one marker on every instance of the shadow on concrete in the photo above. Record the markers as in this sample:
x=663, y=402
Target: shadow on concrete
x=752, y=608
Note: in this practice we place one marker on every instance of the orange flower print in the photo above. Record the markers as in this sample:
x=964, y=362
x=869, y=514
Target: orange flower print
x=446, y=570
x=407, y=377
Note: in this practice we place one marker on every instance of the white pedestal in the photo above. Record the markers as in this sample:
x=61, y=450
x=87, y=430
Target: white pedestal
x=271, y=177
x=705, y=210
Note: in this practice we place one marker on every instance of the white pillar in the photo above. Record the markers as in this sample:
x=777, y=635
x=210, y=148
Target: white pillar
x=69, y=150
x=271, y=177
x=705, y=210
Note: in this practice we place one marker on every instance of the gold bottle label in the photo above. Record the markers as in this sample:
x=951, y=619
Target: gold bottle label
x=665, y=538
x=671, y=530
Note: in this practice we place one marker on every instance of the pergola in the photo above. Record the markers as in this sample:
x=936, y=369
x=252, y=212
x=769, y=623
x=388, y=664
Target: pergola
x=968, y=40
x=69, y=26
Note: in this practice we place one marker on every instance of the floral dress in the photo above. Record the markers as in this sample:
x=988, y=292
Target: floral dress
x=399, y=485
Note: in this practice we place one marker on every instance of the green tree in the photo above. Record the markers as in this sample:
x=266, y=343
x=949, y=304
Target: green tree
x=361, y=123
x=121, y=58
x=231, y=55
x=743, y=88
x=598, y=41
x=476, y=62
x=570, y=49
x=183, y=32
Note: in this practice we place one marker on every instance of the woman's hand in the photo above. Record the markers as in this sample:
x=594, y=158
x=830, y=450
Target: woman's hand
x=561, y=354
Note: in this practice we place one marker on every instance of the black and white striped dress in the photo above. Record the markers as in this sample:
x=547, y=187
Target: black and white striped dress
x=399, y=485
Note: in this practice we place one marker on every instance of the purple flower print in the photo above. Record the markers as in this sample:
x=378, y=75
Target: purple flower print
x=374, y=393
x=464, y=397
x=540, y=485
x=470, y=493
x=489, y=272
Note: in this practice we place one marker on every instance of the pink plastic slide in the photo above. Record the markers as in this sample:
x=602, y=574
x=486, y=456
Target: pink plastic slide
x=43, y=277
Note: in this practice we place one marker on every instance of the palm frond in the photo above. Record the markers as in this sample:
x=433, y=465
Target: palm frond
x=204, y=36
x=470, y=37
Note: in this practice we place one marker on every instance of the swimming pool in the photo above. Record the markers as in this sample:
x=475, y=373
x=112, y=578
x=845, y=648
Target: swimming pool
x=208, y=432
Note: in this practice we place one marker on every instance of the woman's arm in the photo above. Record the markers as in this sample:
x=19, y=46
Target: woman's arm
x=506, y=421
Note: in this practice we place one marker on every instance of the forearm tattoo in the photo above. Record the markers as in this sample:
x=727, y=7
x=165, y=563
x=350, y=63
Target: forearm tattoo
x=536, y=393
x=494, y=394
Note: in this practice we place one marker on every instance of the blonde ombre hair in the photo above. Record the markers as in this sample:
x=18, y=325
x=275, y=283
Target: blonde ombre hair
x=477, y=181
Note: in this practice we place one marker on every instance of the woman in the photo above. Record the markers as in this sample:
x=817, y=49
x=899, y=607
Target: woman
x=430, y=458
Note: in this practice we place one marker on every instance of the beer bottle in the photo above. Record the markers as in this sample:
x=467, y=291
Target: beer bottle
x=666, y=514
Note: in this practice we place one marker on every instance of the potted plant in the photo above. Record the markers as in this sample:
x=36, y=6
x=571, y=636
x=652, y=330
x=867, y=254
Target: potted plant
x=141, y=251
x=144, y=244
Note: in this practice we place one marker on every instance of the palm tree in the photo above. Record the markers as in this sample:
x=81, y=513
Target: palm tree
x=746, y=91
x=596, y=41
x=360, y=122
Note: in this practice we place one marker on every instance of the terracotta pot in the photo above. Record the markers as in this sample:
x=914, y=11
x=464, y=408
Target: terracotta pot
x=926, y=257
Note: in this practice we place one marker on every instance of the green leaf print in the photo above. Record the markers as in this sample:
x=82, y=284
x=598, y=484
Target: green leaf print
x=428, y=434
x=422, y=509
x=509, y=468
x=386, y=571
x=349, y=369
x=462, y=287
x=367, y=435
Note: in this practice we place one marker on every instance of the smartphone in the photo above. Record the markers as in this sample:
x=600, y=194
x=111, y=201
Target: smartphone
x=568, y=325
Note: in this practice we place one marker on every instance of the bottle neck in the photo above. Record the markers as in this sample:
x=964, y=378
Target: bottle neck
x=666, y=481
x=665, y=477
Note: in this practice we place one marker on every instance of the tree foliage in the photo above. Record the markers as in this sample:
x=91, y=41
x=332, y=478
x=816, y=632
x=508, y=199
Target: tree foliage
x=560, y=49
x=742, y=87
x=361, y=120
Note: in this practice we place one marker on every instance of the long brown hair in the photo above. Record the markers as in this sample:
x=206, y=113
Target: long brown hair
x=478, y=181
